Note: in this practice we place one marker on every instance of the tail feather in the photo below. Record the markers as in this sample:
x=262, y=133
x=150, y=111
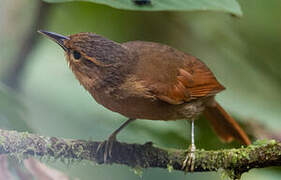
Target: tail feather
x=224, y=125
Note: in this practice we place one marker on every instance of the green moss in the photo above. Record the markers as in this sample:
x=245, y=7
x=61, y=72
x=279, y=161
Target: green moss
x=228, y=174
x=170, y=167
x=224, y=174
x=138, y=171
x=2, y=140
x=264, y=142
x=272, y=142
x=234, y=158
x=79, y=151
x=25, y=134
x=245, y=154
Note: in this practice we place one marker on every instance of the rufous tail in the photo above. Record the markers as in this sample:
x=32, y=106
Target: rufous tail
x=224, y=125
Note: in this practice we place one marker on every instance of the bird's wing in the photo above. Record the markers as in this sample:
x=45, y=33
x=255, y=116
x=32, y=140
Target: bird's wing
x=189, y=86
x=172, y=76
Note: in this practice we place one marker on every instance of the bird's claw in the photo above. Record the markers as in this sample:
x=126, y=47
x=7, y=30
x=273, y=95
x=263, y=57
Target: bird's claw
x=107, y=145
x=189, y=162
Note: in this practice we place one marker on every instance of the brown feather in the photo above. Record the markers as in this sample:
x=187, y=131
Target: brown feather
x=176, y=77
x=224, y=125
x=192, y=86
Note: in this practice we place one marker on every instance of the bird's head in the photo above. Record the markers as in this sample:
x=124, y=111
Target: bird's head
x=92, y=57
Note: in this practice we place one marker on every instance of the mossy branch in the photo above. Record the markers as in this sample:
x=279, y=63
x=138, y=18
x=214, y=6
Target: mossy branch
x=260, y=155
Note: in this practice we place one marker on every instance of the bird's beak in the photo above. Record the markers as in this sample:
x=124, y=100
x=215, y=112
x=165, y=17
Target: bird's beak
x=59, y=39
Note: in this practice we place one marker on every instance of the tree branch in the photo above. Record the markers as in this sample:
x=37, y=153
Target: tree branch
x=237, y=161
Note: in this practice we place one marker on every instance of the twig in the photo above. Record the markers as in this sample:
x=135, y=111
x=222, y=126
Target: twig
x=237, y=161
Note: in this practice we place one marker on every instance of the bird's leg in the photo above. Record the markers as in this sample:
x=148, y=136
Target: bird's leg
x=107, y=144
x=188, y=163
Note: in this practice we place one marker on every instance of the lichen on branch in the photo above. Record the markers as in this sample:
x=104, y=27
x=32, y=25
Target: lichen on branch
x=236, y=161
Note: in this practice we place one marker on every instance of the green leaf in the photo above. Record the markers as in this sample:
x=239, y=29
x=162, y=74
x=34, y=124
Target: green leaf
x=229, y=6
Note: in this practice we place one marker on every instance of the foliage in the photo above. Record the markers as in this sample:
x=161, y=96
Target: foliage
x=230, y=6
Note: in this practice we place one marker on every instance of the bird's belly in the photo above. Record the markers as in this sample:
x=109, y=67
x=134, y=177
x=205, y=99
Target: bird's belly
x=153, y=109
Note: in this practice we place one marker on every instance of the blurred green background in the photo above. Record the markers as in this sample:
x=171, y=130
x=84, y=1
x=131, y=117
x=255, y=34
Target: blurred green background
x=40, y=94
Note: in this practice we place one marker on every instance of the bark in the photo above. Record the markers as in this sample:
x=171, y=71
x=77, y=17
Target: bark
x=235, y=161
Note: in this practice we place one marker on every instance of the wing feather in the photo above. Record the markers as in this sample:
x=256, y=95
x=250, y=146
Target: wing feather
x=171, y=75
x=191, y=84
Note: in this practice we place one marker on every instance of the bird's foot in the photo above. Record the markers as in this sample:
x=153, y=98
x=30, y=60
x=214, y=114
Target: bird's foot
x=189, y=162
x=107, y=145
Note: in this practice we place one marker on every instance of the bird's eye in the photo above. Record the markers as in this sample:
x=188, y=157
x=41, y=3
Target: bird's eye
x=76, y=55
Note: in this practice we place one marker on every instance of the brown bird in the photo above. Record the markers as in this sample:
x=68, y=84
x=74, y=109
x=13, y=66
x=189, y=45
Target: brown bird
x=146, y=80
